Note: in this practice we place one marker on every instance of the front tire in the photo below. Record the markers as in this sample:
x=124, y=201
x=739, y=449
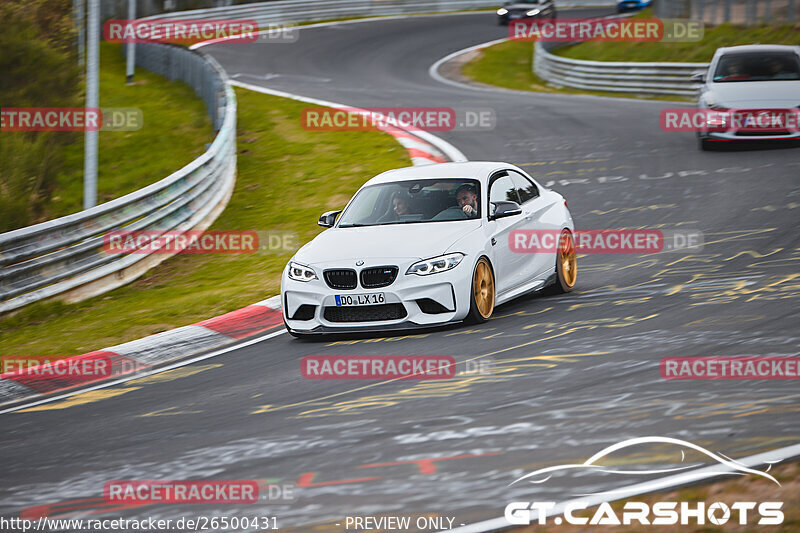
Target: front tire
x=566, y=264
x=482, y=294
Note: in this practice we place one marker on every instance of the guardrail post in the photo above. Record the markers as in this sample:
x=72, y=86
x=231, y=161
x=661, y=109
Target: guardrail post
x=92, y=102
x=130, y=47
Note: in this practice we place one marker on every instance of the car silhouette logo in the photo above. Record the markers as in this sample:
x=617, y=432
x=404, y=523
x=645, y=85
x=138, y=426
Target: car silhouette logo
x=726, y=465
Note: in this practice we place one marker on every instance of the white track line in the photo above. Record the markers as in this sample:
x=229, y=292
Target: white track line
x=433, y=71
x=641, y=488
x=342, y=23
x=216, y=353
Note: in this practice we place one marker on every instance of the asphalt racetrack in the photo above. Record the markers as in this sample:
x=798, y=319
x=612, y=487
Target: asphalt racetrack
x=569, y=374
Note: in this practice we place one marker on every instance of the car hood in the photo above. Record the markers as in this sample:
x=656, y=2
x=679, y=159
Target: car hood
x=413, y=241
x=757, y=94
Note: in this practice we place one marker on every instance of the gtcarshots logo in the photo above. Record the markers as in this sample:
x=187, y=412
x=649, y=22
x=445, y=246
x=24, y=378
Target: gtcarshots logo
x=661, y=513
x=580, y=511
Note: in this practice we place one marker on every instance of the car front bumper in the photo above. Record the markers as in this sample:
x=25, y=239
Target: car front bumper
x=423, y=301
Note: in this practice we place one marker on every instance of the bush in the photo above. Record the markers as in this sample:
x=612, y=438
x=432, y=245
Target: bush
x=38, y=60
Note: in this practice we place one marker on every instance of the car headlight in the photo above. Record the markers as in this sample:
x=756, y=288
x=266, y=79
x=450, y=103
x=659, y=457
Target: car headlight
x=502, y=11
x=300, y=272
x=533, y=12
x=436, y=264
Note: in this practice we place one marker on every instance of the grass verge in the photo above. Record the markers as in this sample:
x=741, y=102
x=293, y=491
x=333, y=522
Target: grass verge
x=286, y=177
x=690, y=52
x=510, y=65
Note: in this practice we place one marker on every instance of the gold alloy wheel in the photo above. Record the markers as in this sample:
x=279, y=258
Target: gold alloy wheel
x=568, y=258
x=483, y=288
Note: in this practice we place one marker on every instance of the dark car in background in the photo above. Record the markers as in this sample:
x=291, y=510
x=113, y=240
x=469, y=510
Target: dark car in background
x=632, y=5
x=525, y=9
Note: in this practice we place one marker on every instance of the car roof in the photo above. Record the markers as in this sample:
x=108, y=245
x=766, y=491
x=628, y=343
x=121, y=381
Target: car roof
x=758, y=48
x=480, y=170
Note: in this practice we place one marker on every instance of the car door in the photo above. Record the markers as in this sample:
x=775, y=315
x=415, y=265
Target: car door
x=508, y=264
x=535, y=207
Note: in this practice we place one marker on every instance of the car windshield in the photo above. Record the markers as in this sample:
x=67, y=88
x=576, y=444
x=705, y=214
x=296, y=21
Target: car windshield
x=415, y=201
x=761, y=66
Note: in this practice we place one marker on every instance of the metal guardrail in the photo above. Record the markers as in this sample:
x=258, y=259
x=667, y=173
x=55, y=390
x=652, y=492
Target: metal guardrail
x=644, y=78
x=290, y=11
x=64, y=257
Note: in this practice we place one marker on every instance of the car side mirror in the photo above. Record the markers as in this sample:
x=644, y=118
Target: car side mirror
x=700, y=77
x=327, y=219
x=504, y=209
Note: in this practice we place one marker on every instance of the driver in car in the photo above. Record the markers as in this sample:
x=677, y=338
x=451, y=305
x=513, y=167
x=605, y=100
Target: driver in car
x=467, y=199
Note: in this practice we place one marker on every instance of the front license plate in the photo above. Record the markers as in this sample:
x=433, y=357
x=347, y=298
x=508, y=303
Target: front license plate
x=350, y=300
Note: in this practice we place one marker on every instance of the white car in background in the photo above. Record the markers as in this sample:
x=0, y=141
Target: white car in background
x=751, y=78
x=404, y=253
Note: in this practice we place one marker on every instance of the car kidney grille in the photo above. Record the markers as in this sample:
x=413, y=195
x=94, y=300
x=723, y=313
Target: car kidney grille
x=340, y=279
x=372, y=278
x=365, y=313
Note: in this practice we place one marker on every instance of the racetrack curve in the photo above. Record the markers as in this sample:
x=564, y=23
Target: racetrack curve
x=571, y=374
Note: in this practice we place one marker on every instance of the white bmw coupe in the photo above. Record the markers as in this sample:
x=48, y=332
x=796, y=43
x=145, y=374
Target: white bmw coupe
x=428, y=245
